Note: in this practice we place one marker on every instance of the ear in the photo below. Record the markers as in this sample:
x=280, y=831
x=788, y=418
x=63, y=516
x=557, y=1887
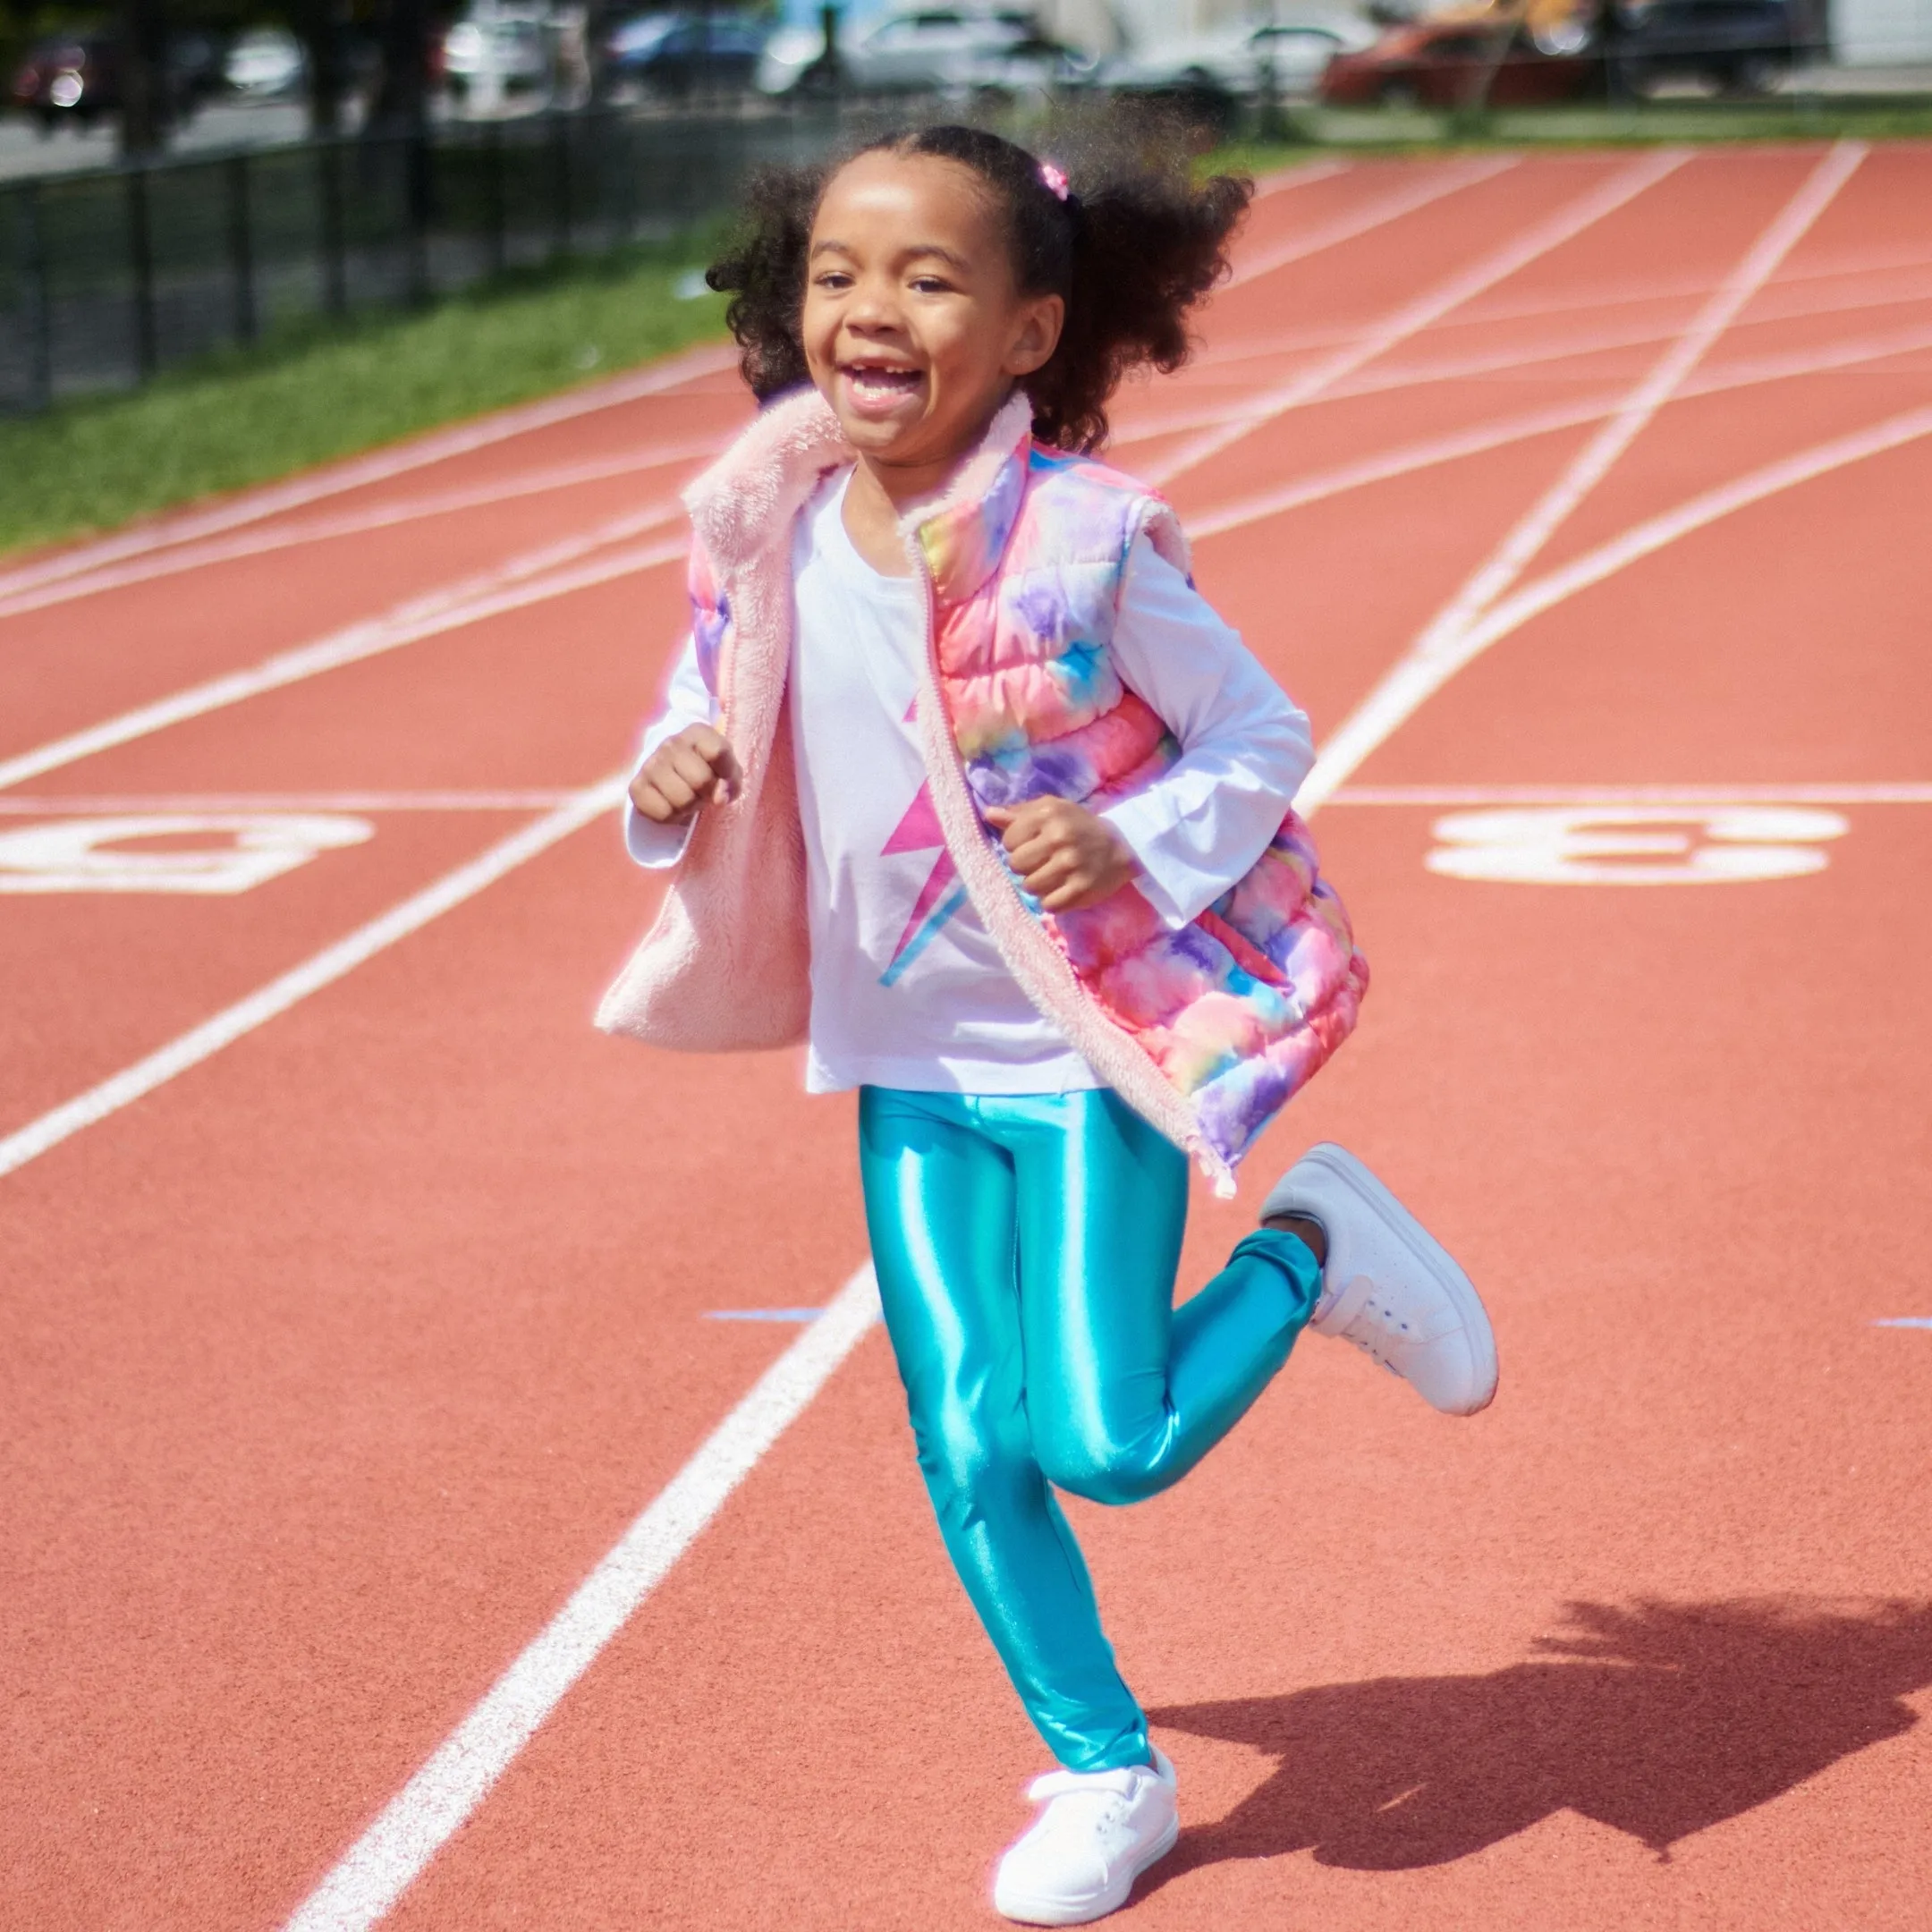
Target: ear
x=1036, y=334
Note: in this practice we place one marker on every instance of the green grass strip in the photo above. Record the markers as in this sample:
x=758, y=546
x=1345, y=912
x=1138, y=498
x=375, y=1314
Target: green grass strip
x=320, y=390
x=325, y=390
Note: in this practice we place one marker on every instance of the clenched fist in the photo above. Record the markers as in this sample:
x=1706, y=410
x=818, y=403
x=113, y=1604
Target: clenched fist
x=1066, y=856
x=684, y=773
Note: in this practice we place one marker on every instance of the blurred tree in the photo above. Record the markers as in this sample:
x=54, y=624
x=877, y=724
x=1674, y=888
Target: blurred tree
x=319, y=24
x=402, y=102
x=141, y=57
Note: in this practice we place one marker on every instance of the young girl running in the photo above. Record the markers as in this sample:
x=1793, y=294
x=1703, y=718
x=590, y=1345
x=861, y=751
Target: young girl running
x=972, y=792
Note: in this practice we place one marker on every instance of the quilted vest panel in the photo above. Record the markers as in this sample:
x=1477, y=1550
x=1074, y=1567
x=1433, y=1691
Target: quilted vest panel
x=1239, y=1008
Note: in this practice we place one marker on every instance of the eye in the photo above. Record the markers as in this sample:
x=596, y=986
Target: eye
x=832, y=279
x=929, y=284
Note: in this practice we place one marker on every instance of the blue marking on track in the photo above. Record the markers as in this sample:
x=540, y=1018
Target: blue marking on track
x=764, y=1314
x=1904, y=1321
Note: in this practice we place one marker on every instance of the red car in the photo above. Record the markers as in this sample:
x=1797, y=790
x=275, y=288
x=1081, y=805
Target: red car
x=76, y=78
x=1458, y=64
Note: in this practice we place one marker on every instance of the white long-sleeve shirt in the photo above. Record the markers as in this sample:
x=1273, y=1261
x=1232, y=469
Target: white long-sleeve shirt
x=907, y=987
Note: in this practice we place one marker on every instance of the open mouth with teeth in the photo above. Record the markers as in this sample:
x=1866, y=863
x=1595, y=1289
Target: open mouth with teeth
x=879, y=385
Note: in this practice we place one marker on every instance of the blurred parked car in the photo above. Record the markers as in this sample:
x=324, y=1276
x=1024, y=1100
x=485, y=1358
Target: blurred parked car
x=266, y=64
x=1740, y=46
x=943, y=49
x=1236, y=63
x=685, y=53
x=76, y=76
x=1454, y=63
x=69, y=79
x=498, y=53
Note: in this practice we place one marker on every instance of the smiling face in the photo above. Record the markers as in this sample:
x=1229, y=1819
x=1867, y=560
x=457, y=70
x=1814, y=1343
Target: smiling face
x=912, y=328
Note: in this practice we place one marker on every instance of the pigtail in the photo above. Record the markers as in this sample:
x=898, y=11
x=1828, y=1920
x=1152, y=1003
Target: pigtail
x=763, y=271
x=1146, y=246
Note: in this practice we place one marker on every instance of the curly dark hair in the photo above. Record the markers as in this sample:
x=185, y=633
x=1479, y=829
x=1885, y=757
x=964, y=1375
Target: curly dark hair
x=1132, y=248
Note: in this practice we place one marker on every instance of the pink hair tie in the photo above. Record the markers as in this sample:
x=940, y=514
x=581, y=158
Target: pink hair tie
x=1054, y=178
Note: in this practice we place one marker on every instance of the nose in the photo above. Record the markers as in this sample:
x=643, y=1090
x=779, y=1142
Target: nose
x=874, y=308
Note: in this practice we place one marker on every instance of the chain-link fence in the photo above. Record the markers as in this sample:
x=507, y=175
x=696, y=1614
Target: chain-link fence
x=109, y=276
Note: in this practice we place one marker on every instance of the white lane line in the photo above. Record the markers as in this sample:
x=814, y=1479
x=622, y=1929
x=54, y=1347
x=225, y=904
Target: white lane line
x=1302, y=175
x=1463, y=286
x=1445, y=643
x=1522, y=367
x=378, y=468
x=323, y=968
x=1364, y=221
x=174, y=561
x=1904, y=1321
x=1427, y=795
x=413, y=1827
x=1612, y=296
x=1413, y=681
x=1486, y=437
x=1655, y=533
x=1595, y=461
x=1521, y=361
x=1401, y=461
x=532, y=579
x=86, y=805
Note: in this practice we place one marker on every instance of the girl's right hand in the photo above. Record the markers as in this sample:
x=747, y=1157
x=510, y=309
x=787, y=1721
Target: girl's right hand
x=684, y=773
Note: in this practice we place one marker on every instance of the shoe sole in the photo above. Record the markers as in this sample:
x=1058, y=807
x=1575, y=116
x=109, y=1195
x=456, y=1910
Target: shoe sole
x=1425, y=1250
x=1110, y=1901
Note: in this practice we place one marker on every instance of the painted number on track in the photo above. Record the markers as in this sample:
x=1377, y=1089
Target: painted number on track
x=1634, y=844
x=169, y=851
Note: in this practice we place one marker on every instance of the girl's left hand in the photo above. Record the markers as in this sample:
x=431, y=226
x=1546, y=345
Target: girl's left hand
x=1066, y=856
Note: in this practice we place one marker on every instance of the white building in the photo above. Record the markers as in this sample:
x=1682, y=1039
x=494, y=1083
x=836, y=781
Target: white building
x=1881, y=33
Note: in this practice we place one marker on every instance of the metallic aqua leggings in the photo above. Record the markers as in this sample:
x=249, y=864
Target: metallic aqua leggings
x=1026, y=1250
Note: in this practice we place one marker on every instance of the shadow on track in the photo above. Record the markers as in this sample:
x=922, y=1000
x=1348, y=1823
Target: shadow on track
x=1657, y=1719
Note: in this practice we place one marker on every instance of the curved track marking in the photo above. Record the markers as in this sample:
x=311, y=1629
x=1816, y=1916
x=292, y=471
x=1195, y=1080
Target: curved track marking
x=1519, y=359
x=533, y=579
x=1419, y=675
x=414, y=1827
x=177, y=560
x=1439, y=644
x=438, y=448
x=1498, y=434
x=289, y=989
x=1740, y=372
x=1366, y=221
x=1600, y=455
x=1655, y=533
x=1463, y=286
x=1302, y=175
x=1290, y=341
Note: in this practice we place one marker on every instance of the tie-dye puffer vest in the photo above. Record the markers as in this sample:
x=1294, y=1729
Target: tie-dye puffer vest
x=1208, y=1030
x=1236, y=1010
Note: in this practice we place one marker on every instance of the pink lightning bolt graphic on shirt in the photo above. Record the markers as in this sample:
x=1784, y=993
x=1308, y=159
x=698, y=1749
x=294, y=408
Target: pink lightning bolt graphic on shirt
x=939, y=898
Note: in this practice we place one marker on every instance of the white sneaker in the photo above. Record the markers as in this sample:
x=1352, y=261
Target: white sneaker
x=1390, y=1286
x=1099, y=1832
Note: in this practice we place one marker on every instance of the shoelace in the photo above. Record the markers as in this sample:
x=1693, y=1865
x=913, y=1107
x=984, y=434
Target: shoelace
x=1375, y=1331
x=1118, y=1783
x=1081, y=1805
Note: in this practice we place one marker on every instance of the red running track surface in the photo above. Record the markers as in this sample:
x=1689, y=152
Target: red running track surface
x=337, y=1359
